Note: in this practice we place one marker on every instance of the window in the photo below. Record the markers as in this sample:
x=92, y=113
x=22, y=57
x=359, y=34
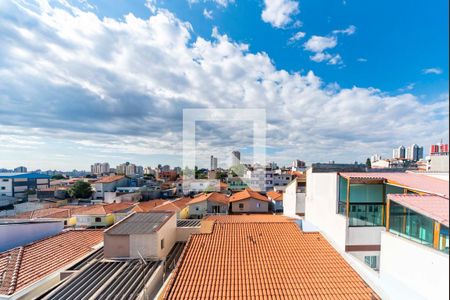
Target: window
x=65, y=223
x=371, y=261
x=162, y=244
x=5, y=180
x=258, y=205
x=98, y=219
x=241, y=205
x=3, y=188
x=196, y=208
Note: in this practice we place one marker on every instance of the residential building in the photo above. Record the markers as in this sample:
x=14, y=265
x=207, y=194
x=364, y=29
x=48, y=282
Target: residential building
x=208, y=203
x=294, y=197
x=298, y=165
x=399, y=153
x=438, y=163
x=65, y=214
x=142, y=235
x=350, y=209
x=199, y=186
x=178, y=206
x=248, y=201
x=414, y=153
x=277, y=200
x=263, y=257
x=29, y=270
x=129, y=169
x=375, y=158
x=21, y=169
x=235, y=158
x=17, y=184
x=109, y=184
x=17, y=233
x=213, y=163
x=235, y=184
x=439, y=149
x=266, y=179
x=100, y=168
x=103, y=215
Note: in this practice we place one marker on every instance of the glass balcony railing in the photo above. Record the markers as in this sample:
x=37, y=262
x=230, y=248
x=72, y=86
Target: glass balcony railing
x=363, y=214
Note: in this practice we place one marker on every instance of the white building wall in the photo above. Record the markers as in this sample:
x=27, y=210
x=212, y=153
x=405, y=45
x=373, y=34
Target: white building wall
x=364, y=235
x=6, y=187
x=412, y=271
x=321, y=207
x=293, y=202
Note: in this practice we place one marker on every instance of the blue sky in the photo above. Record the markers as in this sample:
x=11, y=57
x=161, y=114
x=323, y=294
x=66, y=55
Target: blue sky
x=341, y=80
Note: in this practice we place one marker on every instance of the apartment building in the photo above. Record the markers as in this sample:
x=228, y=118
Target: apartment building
x=355, y=211
x=17, y=184
x=109, y=184
x=294, y=196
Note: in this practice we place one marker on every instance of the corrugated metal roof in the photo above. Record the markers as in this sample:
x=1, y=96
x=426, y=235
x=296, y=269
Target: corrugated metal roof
x=24, y=175
x=140, y=223
x=434, y=207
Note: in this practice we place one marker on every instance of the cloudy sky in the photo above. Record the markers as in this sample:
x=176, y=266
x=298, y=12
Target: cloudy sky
x=84, y=81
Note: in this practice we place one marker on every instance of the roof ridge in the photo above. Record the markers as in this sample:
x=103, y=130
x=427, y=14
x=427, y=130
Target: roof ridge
x=15, y=274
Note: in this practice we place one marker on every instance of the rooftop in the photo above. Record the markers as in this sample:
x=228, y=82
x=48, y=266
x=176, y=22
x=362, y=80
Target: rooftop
x=109, y=179
x=23, y=266
x=213, y=197
x=247, y=194
x=146, y=206
x=415, y=181
x=277, y=196
x=105, y=209
x=434, y=207
x=263, y=260
x=24, y=175
x=175, y=205
x=140, y=223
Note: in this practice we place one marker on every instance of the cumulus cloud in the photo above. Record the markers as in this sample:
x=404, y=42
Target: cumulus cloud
x=436, y=71
x=279, y=13
x=118, y=87
x=208, y=14
x=318, y=45
x=297, y=36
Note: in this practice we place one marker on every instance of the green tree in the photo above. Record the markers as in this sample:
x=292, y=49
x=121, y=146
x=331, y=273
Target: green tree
x=58, y=177
x=81, y=189
x=368, y=163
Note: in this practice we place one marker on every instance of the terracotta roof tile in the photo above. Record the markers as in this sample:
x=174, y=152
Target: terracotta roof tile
x=277, y=196
x=257, y=260
x=109, y=179
x=246, y=195
x=146, y=206
x=213, y=197
x=174, y=206
x=105, y=209
x=26, y=265
x=253, y=218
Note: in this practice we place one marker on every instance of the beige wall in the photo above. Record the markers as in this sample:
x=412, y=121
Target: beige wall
x=183, y=233
x=116, y=246
x=250, y=205
x=169, y=233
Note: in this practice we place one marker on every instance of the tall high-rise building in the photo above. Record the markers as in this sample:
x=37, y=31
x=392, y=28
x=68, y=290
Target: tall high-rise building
x=20, y=169
x=399, y=153
x=235, y=158
x=213, y=163
x=100, y=168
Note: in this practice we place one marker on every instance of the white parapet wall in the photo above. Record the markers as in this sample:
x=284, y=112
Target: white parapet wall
x=412, y=271
x=321, y=207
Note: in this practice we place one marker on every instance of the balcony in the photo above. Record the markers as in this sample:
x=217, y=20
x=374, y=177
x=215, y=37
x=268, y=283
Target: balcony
x=363, y=214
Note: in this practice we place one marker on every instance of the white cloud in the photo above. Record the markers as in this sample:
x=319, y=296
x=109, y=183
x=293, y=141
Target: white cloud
x=223, y=3
x=436, y=71
x=362, y=59
x=297, y=36
x=407, y=88
x=320, y=43
x=208, y=14
x=279, y=13
x=118, y=87
x=348, y=31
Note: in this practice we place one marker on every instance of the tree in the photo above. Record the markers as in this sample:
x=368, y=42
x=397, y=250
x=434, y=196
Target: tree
x=368, y=163
x=58, y=177
x=81, y=189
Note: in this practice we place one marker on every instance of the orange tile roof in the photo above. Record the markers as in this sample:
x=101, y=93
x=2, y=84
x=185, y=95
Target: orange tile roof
x=146, y=206
x=213, y=197
x=247, y=194
x=174, y=206
x=254, y=218
x=277, y=196
x=23, y=266
x=272, y=260
x=62, y=212
x=105, y=209
x=109, y=179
